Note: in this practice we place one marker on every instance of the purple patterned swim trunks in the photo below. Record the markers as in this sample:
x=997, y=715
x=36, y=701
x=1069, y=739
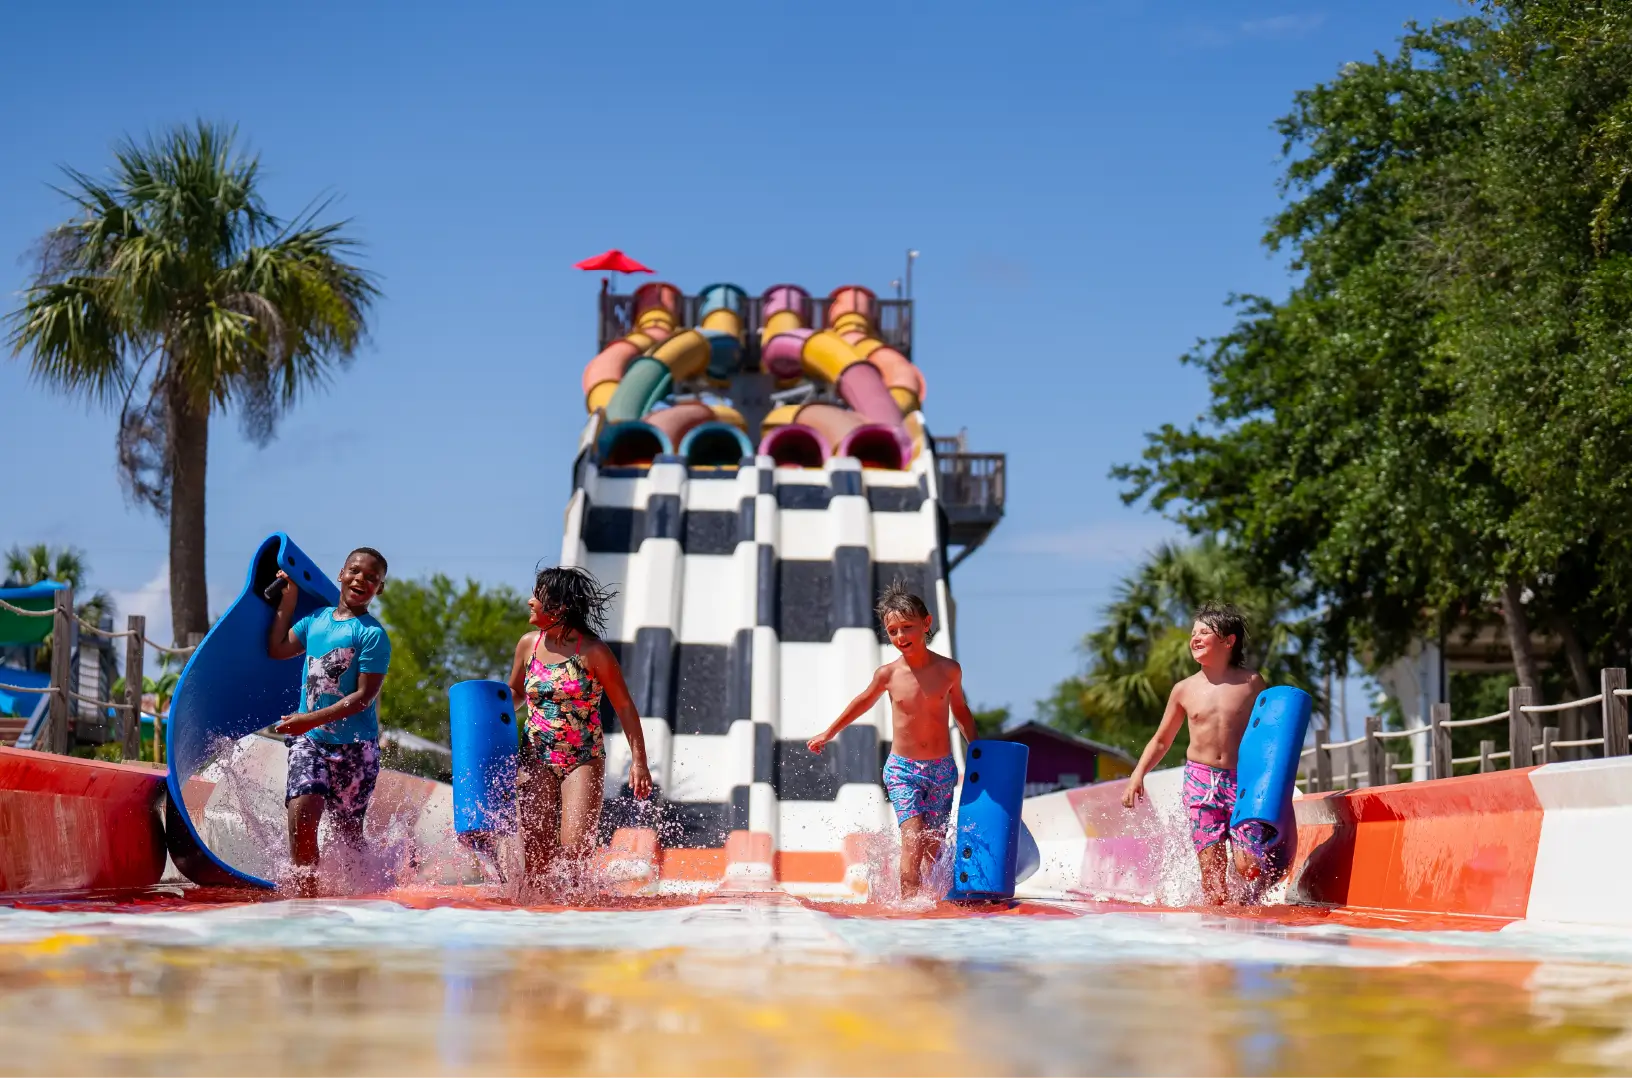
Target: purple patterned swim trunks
x=921, y=789
x=343, y=773
x=1209, y=800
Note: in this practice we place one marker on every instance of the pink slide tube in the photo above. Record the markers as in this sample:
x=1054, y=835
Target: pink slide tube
x=795, y=446
x=676, y=420
x=784, y=298
x=862, y=387
x=831, y=422
x=878, y=446
x=781, y=355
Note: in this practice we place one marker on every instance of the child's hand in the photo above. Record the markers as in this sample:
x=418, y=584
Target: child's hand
x=295, y=724
x=817, y=744
x=290, y=595
x=640, y=780
x=1133, y=792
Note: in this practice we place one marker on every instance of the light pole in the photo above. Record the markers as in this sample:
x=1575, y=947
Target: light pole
x=912, y=254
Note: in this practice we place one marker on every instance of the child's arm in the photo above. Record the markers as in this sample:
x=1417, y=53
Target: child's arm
x=280, y=643
x=604, y=666
x=864, y=701
x=518, y=673
x=1155, y=749
x=960, y=705
x=368, y=688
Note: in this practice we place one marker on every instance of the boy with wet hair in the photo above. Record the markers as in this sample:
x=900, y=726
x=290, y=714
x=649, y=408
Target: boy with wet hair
x=1217, y=702
x=920, y=775
x=334, y=741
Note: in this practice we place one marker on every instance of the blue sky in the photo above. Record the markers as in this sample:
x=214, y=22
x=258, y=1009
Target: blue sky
x=1087, y=183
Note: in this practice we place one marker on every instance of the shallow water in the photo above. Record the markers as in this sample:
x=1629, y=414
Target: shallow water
x=764, y=985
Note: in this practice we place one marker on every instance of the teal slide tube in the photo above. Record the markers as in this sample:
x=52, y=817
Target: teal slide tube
x=644, y=384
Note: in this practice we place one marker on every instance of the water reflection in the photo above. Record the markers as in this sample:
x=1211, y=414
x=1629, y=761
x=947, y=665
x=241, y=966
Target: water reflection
x=73, y=1003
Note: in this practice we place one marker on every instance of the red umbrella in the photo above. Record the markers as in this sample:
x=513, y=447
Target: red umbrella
x=615, y=261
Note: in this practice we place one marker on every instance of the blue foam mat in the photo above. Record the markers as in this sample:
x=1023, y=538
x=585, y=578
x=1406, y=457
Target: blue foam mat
x=231, y=688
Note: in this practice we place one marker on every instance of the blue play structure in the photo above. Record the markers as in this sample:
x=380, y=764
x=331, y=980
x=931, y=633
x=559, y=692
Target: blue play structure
x=231, y=688
x=994, y=849
x=483, y=726
x=1268, y=766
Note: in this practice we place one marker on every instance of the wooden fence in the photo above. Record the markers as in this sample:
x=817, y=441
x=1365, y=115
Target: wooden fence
x=54, y=735
x=1529, y=740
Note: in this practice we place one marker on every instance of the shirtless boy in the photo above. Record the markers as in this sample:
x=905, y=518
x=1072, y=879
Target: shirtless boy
x=1217, y=701
x=920, y=774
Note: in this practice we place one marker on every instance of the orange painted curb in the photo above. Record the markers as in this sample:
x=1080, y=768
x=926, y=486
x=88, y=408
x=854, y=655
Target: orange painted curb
x=69, y=823
x=1465, y=845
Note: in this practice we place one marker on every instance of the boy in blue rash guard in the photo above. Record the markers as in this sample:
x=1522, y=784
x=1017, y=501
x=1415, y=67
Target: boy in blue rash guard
x=334, y=741
x=920, y=775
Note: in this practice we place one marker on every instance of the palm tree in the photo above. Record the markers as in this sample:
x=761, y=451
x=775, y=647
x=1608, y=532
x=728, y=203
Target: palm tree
x=174, y=293
x=1143, y=647
x=41, y=562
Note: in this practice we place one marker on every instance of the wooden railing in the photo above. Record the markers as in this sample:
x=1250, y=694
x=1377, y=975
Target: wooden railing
x=1529, y=740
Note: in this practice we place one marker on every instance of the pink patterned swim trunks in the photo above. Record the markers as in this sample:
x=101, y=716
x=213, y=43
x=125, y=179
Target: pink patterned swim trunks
x=1209, y=800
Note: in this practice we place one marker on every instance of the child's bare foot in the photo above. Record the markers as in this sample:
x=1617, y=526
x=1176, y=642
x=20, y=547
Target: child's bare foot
x=303, y=882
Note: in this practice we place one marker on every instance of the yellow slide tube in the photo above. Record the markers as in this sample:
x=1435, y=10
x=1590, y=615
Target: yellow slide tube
x=826, y=355
x=724, y=320
x=780, y=323
x=685, y=354
x=726, y=414
x=656, y=317
x=851, y=321
x=780, y=416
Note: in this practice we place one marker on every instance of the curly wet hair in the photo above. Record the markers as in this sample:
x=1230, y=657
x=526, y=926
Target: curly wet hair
x=574, y=592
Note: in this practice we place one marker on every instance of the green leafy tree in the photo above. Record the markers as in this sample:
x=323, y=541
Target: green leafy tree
x=1143, y=647
x=175, y=293
x=442, y=633
x=989, y=721
x=41, y=562
x=1433, y=428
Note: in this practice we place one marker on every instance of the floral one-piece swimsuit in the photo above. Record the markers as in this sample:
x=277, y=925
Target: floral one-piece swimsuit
x=563, y=724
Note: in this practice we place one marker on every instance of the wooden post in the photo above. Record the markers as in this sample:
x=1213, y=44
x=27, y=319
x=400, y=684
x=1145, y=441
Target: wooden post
x=62, y=653
x=1390, y=760
x=1323, y=762
x=1613, y=679
x=1375, y=761
x=1487, y=747
x=130, y=742
x=1549, y=735
x=1521, y=734
x=1439, y=741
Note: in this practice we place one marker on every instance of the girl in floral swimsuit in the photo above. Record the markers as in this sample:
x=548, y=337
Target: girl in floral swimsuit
x=561, y=671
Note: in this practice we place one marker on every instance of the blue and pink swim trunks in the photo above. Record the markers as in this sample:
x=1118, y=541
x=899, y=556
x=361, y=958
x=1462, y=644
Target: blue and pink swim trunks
x=1209, y=800
x=921, y=789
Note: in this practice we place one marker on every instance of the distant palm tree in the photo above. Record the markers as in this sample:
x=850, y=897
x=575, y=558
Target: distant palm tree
x=1143, y=646
x=41, y=562
x=173, y=292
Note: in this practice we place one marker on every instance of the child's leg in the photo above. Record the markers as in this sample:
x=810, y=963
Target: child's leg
x=305, y=797
x=913, y=841
x=581, y=809
x=1213, y=863
x=305, y=813
x=538, y=802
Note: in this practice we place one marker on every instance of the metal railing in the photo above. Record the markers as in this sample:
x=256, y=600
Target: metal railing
x=894, y=322
x=972, y=482
x=1529, y=740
